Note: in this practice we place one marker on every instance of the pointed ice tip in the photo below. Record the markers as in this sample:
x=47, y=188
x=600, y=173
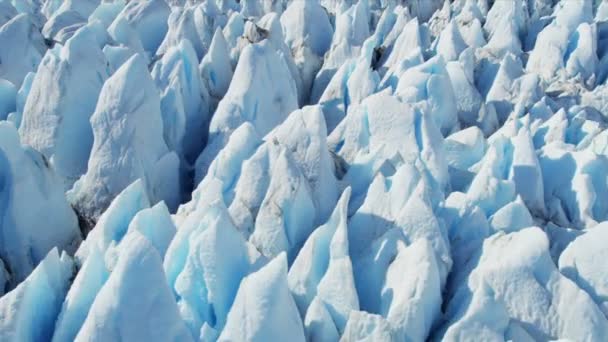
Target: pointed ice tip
x=218, y=37
x=274, y=269
x=281, y=260
x=160, y=207
x=8, y=131
x=133, y=68
x=136, y=188
x=342, y=205
x=315, y=119
x=246, y=130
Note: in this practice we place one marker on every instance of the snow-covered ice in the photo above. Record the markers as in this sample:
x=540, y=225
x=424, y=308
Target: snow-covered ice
x=303, y=170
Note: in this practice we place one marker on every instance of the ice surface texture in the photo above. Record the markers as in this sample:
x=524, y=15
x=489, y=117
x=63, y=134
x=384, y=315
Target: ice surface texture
x=303, y=170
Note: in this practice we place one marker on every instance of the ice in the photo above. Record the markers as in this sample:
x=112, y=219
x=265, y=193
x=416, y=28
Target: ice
x=113, y=224
x=467, y=228
x=233, y=32
x=440, y=19
x=123, y=306
x=305, y=134
x=318, y=324
x=156, y=225
x=26, y=48
x=337, y=286
x=319, y=170
x=302, y=164
x=572, y=13
x=306, y=22
x=183, y=101
x=182, y=27
x=425, y=225
x=67, y=18
x=323, y=269
x=526, y=173
x=401, y=16
x=225, y=169
x=411, y=296
x=363, y=326
x=571, y=192
x=200, y=251
x=512, y=217
x=90, y=278
x=251, y=8
x=498, y=92
x=123, y=33
x=472, y=32
x=4, y=278
x=62, y=98
x=385, y=197
x=251, y=187
x=471, y=10
x=567, y=36
x=269, y=26
x=308, y=34
x=148, y=19
x=430, y=82
x=32, y=9
x=61, y=26
x=106, y=12
x=16, y=116
x=582, y=57
x=28, y=313
x=262, y=300
x=8, y=98
x=523, y=290
x=7, y=12
x=465, y=148
x=424, y=9
x=507, y=10
x=579, y=262
x=450, y=42
x=128, y=97
x=215, y=68
x=546, y=59
x=408, y=39
x=505, y=39
x=383, y=123
x=286, y=215
x=82, y=7
x=334, y=100
x=35, y=214
x=255, y=95
x=370, y=268
x=488, y=189
x=227, y=6
x=472, y=111
x=50, y=7
x=363, y=80
x=351, y=29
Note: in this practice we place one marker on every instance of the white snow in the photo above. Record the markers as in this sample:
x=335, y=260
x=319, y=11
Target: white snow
x=35, y=214
x=127, y=114
x=26, y=48
x=310, y=170
x=62, y=98
x=263, y=299
x=122, y=309
x=261, y=92
x=28, y=312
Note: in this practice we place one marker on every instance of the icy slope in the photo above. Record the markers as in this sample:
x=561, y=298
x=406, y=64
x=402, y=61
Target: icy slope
x=35, y=216
x=310, y=170
x=127, y=144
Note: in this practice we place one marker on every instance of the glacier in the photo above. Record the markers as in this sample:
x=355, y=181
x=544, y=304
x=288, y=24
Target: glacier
x=306, y=170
